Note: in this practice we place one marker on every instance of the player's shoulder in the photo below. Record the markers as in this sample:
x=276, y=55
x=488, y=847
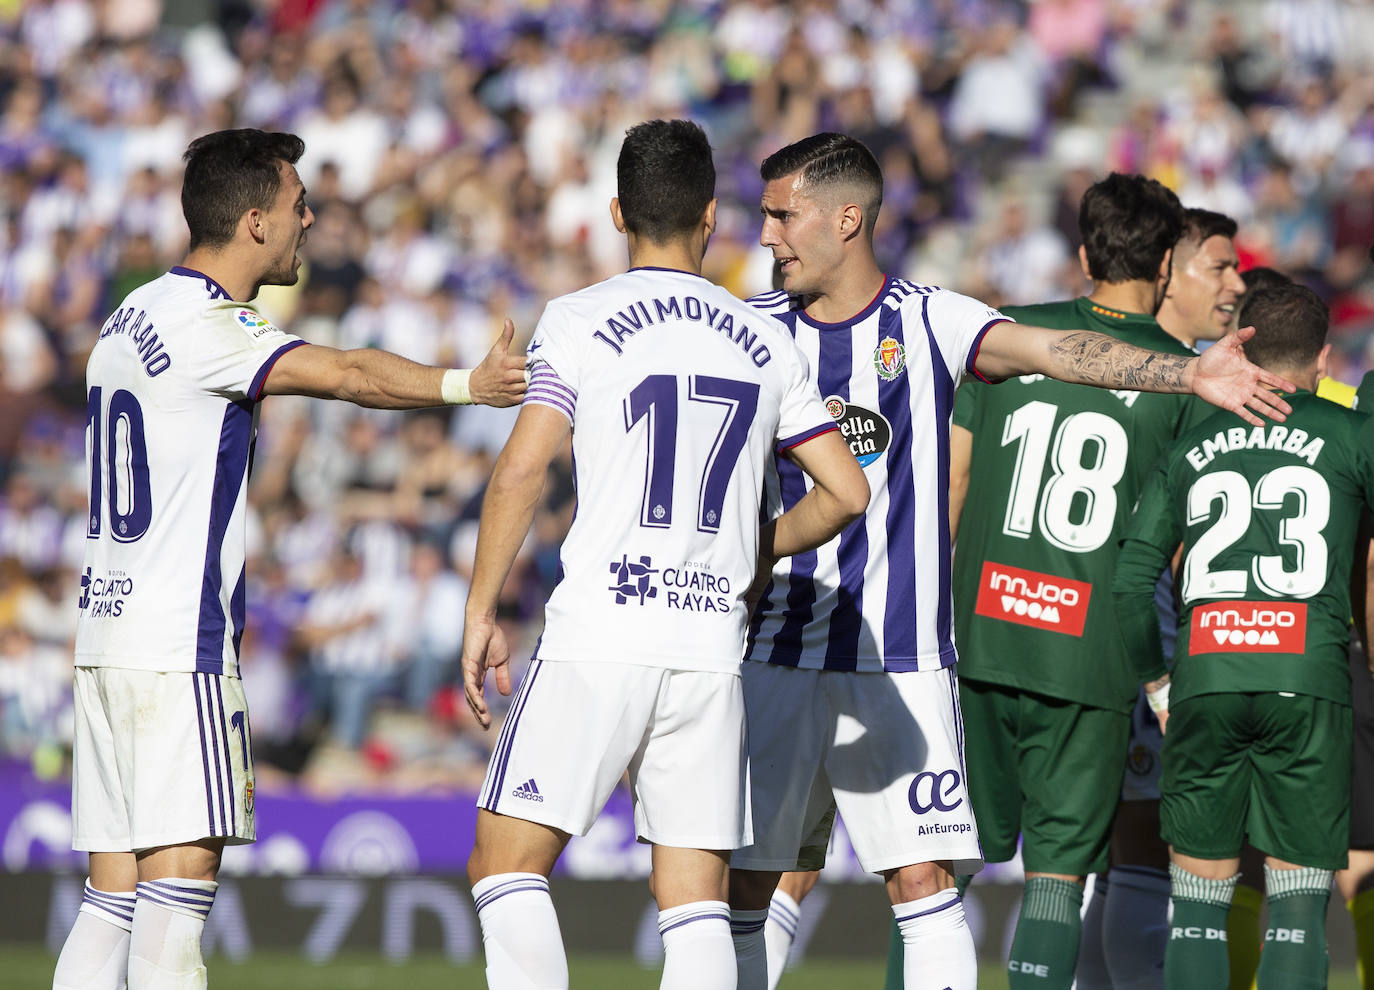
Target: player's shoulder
x=774, y=303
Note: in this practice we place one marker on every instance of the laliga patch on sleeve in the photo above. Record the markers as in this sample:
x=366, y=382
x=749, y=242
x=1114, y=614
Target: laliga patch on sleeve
x=1248, y=627
x=254, y=322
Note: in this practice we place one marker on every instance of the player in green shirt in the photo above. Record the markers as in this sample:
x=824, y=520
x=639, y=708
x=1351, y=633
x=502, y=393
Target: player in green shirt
x=1257, y=709
x=1045, y=684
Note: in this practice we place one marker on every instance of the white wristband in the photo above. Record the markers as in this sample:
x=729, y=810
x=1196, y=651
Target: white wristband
x=1158, y=699
x=454, y=389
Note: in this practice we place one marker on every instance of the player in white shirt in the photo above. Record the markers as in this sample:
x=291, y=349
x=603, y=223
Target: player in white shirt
x=677, y=396
x=162, y=766
x=849, y=685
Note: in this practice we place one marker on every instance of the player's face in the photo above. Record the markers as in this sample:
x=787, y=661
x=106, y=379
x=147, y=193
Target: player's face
x=1206, y=289
x=287, y=221
x=803, y=235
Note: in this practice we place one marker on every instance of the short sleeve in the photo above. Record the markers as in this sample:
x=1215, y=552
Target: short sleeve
x=550, y=348
x=959, y=324
x=236, y=351
x=803, y=415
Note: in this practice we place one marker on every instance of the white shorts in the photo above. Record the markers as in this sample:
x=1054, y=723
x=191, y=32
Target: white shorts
x=574, y=729
x=160, y=759
x=1143, y=754
x=886, y=749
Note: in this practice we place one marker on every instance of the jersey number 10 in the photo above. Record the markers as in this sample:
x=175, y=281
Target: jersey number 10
x=119, y=454
x=656, y=398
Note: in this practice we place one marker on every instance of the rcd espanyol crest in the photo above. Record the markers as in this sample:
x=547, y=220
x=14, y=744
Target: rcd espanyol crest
x=889, y=358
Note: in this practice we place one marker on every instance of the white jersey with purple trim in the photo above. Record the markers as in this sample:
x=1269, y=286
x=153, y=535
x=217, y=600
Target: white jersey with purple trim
x=172, y=386
x=877, y=598
x=678, y=394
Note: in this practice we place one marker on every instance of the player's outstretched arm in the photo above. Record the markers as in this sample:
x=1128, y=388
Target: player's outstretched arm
x=508, y=507
x=382, y=380
x=1224, y=378
x=838, y=496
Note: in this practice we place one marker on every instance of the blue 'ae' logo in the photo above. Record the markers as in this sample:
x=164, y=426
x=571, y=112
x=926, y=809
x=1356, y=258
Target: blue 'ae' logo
x=931, y=791
x=633, y=580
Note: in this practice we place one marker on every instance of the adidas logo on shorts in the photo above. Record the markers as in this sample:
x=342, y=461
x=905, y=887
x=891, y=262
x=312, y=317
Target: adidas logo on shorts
x=529, y=791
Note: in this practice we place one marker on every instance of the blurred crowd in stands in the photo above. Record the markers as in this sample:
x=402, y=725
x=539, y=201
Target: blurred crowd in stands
x=460, y=157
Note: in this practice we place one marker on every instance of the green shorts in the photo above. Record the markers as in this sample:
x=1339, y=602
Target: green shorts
x=1275, y=767
x=1045, y=769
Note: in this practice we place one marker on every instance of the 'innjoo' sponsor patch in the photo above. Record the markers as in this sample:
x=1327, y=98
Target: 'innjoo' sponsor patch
x=1030, y=598
x=1248, y=627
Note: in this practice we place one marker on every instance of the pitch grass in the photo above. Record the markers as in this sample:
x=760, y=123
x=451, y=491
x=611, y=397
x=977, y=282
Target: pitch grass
x=29, y=968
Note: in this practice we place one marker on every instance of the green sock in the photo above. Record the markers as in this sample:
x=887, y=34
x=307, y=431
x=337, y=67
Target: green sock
x=1196, y=957
x=1044, y=950
x=896, y=952
x=1294, y=955
x=1243, y=936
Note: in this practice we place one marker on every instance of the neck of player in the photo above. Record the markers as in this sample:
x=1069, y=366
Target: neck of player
x=1126, y=297
x=849, y=293
x=225, y=269
x=683, y=253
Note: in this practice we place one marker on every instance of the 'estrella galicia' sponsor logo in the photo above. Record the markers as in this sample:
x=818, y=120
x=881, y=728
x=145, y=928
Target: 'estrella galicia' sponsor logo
x=931, y=791
x=529, y=791
x=868, y=433
x=633, y=580
x=104, y=597
x=889, y=358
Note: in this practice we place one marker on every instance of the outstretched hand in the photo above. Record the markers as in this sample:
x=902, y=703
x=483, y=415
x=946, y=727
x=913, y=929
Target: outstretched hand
x=484, y=648
x=500, y=379
x=1226, y=378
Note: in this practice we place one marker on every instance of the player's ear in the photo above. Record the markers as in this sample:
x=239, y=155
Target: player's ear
x=257, y=228
x=617, y=217
x=1166, y=267
x=708, y=218
x=1083, y=262
x=851, y=220
x=1322, y=358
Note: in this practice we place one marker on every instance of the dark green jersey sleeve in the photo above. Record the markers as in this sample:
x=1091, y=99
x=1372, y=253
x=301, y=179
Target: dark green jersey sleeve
x=1148, y=542
x=966, y=404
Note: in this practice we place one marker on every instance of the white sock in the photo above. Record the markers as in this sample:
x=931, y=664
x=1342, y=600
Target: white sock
x=751, y=954
x=780, y=933
x=169, y=918
x=1135, y=927
x=520, y=933
x=96, y=953
x=1091, y=972
x=698, y=953
x=938, y=949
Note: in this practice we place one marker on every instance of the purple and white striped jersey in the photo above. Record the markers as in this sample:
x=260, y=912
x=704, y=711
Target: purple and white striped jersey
x=878, y=597
x=678, y=394
x=172, y=387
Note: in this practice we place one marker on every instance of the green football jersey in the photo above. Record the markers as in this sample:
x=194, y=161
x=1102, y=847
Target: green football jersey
x=1054, y=474
x=1267, y=516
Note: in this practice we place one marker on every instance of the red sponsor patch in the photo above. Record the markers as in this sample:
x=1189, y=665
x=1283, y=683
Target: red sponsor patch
x=1248, y=627
x=1030, y=598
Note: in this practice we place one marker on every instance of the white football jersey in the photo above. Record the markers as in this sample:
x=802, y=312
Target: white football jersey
x=679, y=395
x=171, y=392
x=879, y=597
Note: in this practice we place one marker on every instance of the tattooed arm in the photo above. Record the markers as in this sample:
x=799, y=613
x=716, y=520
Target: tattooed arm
x=1222, y=375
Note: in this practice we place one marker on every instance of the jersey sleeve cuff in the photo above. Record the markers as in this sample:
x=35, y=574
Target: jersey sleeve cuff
x=972, y=366
x=260, y=379
x=801, y=438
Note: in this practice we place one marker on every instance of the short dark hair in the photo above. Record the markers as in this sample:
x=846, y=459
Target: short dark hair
x=1290, y=322
x=830, y=159
x=1262, y=278
x=1201, y=225
x=1128, y=222
x=229, y=173
x=665, y=178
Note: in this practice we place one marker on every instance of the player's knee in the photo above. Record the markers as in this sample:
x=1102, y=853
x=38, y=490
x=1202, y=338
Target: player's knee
x=751, y=890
